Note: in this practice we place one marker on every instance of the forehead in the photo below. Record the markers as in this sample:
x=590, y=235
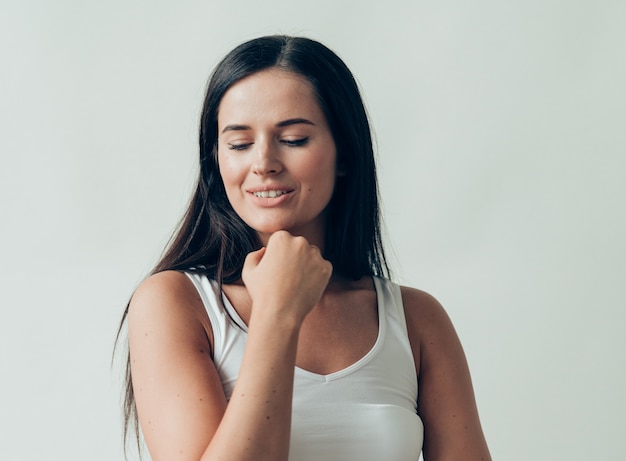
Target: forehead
x=269, y=94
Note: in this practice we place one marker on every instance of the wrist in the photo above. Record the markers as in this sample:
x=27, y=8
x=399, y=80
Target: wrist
x=285, y=320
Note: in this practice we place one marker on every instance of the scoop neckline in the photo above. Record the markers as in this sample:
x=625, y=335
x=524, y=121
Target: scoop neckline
x=380, y=307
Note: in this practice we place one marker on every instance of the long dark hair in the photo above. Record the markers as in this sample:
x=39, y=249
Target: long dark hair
x=212, y=239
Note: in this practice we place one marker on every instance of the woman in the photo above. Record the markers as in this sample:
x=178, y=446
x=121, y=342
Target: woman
x=269, y=329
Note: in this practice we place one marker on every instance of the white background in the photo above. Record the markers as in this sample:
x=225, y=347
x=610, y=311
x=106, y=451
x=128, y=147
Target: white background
x=501, y=148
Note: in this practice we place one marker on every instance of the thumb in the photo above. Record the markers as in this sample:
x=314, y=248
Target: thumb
x=252, y=260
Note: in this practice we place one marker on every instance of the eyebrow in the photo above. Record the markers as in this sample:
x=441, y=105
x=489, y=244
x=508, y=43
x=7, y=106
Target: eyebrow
x=282, y=124
x=295, y=121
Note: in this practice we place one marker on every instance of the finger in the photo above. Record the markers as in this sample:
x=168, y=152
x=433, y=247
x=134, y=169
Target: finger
x=254, y=258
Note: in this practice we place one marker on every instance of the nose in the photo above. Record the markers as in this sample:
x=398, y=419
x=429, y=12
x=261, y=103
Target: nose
x=266, y=159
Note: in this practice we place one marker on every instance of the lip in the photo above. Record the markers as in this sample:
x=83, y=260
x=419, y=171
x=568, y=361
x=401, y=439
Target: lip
x=270, y=201
x=269, y=187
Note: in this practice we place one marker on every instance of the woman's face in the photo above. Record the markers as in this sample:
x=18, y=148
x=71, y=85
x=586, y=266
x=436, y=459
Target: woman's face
x=276, y=154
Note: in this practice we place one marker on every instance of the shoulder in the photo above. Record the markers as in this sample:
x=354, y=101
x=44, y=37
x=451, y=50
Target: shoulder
x=166, y=285
x=163, y=289
x=430, y=329
x=165, y=299
x=423, y=312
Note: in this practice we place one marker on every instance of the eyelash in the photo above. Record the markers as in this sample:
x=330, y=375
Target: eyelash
x=291, y=143
x=238, y=146
x=296, y=142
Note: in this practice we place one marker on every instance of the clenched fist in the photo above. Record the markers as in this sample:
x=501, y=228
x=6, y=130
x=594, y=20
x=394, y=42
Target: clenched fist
x=287, y=277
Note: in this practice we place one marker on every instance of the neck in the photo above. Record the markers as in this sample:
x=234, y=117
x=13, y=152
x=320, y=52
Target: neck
x=313, y=235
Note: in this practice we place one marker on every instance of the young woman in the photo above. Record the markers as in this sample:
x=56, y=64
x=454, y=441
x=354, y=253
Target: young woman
x=269, y=330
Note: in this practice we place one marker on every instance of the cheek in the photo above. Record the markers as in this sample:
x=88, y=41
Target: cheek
x=228, y=170
x=231, y=184
x=322, y=172
x=320, y=182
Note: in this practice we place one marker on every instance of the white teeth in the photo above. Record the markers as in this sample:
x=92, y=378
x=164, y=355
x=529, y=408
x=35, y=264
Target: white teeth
x=269, y=193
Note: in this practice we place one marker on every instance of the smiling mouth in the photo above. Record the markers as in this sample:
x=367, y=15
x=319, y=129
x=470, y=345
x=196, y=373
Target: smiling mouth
x=269, y=193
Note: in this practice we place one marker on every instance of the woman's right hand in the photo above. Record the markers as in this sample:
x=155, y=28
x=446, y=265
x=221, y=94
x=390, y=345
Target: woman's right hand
x=286, y=277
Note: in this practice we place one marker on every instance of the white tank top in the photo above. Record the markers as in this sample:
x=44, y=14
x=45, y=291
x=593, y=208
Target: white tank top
x=365, y=412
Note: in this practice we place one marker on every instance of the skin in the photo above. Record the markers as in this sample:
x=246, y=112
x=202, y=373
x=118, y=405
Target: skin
x=307, y=320
x=274, y=136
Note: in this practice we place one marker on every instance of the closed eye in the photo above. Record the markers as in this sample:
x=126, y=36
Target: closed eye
x=242, y=146
x=295, y=142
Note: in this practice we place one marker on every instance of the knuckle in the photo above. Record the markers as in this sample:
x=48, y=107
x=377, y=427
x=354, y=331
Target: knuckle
x=278, y=235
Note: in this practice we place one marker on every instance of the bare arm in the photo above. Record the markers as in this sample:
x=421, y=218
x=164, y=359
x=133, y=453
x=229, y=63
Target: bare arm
x=180, y=401
x=446, y=403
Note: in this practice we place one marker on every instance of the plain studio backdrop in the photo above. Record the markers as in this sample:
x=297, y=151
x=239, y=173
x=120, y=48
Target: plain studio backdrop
x=501, y=152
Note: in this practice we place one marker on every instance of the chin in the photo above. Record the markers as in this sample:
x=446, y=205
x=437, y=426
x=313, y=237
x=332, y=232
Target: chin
x=269, y=229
